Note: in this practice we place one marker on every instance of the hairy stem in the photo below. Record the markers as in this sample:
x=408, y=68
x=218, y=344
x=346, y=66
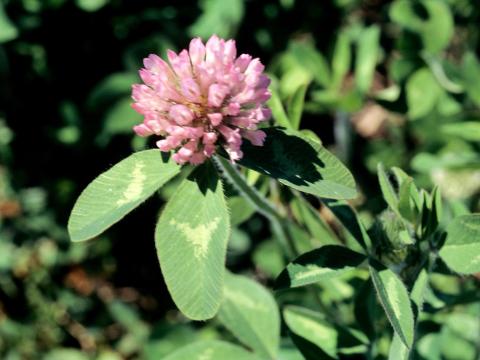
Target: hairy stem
x=261, y=204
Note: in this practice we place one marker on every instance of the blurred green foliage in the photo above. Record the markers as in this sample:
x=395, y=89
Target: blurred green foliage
x=396, y=82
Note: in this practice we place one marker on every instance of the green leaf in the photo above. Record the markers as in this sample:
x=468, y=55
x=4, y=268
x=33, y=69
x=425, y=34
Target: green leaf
x=8, y=29
x=269, y=258
x=295, y=108
x=395, y=301
x=429, y=346
x=388, y=191
x=398, y=350
x=278, y=111
x=438, y=29
x=341, y=60
x=403, y=13
x=471, y=76
x=65, y=354
x=435, y=213
x=212, y=349
x=461, y=251
x=350, y=220
x=419, y=290
x=468, y=130
x=111, y=88
x=240, y=209
x=422, y=92
x=367, y=55
x=306, y=215
x=405, y=207
x=310, y=135
x=191, y=239
x=311, y=60
x=311, y=267
x=120, y=119
x=366, y=308
x=454, y=346
x=116, y=192
x=91, y=5
x=250, y=312
x=312, y=334
x=300, y=163
x=220, y=17
x=435, y=29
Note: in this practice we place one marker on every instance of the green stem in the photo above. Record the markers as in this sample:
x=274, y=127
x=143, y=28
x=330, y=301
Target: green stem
x=265, y=207
x=237, y=179
x=259, y=202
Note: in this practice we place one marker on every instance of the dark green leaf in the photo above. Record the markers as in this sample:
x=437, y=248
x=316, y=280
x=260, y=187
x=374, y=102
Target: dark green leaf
x=325, y=262
x=349, y=219
x=300, y=163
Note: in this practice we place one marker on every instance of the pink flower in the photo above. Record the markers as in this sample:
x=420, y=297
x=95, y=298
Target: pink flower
x=204, y=97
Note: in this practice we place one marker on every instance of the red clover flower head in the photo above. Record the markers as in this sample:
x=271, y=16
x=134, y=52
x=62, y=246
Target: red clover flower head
x=205, y=96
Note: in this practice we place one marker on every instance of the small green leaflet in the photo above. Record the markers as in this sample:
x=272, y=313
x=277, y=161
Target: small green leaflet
x=350, y=220
x=388, y=191
x=116, y=192
x=278, y=111
x=218, y=17
x=300, y=163
x=91, y=5
x=191, y=239
x=468, y=130
x=422, y=92
x=367, y=57
x=398, y=350
x=308, y=58
x=250, y=312
x=295, y=106
x=395, y=301
x=211, y=350
x=471, y=76
x=311, y=267
x=65, y=353
x=461, y=251
x=342, y=57
x=8, y=30
x=312, y=334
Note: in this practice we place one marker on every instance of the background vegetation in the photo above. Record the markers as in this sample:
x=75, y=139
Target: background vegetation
x=396, y=82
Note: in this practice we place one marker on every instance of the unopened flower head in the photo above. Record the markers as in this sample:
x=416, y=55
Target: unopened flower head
x=205, y=96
